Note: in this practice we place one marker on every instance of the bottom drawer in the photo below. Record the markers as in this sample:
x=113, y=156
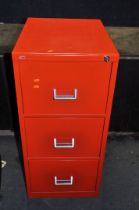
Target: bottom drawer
x=55, y=176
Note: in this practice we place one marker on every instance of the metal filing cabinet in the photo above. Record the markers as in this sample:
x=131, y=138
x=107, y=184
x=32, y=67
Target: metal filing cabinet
x=65, y=72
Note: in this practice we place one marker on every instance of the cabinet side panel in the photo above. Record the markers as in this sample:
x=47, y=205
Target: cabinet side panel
x=107, y=121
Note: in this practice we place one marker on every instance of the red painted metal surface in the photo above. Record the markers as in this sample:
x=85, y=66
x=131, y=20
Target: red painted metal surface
x=64, y=137
x=65, y=37
x=56, y=58
x=91, y=79
x=44, y=172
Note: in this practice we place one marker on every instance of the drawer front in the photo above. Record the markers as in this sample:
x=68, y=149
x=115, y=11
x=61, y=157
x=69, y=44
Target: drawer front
x=63, y=175
x=64, y=87
x=63, y=137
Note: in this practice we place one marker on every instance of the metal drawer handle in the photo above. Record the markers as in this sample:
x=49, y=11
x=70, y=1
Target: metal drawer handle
x=63, y=181
x=64, y=145
x=65, y=97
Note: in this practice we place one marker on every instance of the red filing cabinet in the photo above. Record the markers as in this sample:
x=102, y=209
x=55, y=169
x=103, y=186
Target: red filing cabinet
x=65, y=72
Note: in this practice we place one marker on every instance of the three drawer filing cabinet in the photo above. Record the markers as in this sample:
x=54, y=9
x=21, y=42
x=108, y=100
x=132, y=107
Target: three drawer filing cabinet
x=65, y=72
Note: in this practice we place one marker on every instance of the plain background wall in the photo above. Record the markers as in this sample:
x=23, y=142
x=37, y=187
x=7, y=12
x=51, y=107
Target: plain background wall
x=112, y=12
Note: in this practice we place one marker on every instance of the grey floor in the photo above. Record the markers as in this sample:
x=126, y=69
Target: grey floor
x=119, y=187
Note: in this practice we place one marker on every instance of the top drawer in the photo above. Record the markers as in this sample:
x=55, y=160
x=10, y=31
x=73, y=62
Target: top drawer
x=64, y=87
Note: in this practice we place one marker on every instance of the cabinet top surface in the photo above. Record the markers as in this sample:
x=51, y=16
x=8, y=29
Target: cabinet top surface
x=52, y=36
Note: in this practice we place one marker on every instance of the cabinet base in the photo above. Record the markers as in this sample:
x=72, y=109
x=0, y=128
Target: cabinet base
x=69, y=194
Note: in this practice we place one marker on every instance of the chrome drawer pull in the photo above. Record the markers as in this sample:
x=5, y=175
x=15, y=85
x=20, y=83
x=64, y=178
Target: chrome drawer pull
x=65, y=97
x=64, y=145
x=63, y=181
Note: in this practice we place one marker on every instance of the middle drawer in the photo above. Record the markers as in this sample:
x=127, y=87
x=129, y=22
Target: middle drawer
x=63, y=137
